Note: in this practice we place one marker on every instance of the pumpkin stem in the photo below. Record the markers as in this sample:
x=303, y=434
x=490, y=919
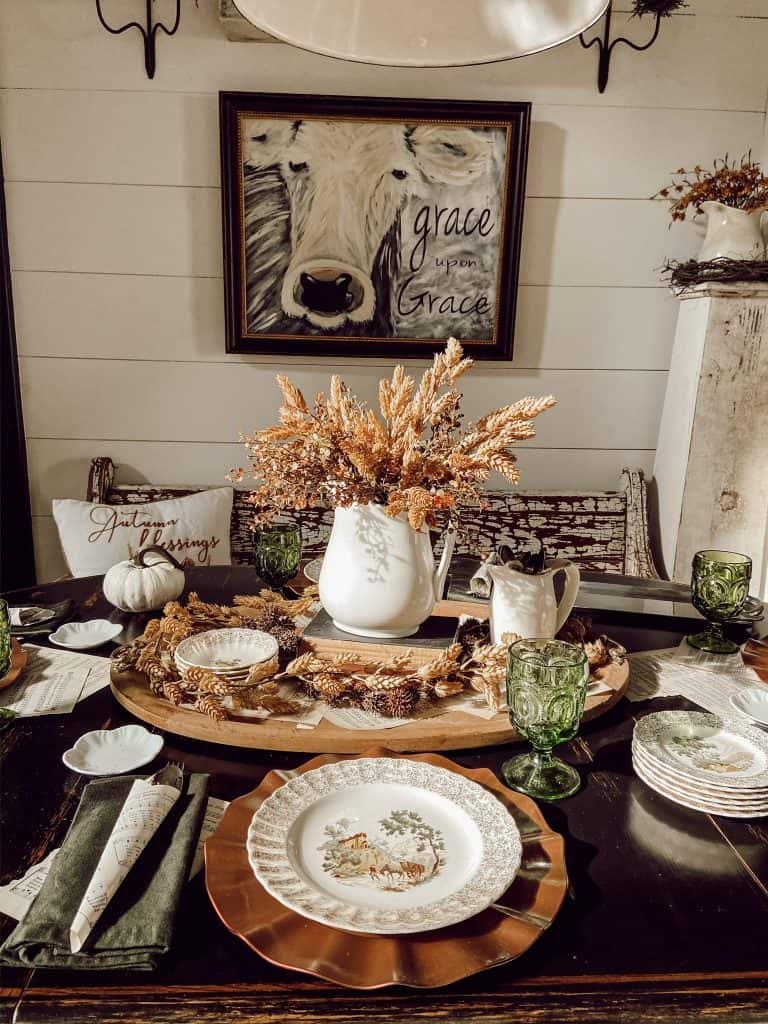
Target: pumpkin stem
x=138, y=558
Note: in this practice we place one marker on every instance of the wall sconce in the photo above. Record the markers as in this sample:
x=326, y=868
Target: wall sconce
x=422, y=33
x=659, y=8
x=149, y=33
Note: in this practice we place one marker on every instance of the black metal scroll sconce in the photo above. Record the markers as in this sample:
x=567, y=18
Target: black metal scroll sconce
x=149, y=33
x=605, y=45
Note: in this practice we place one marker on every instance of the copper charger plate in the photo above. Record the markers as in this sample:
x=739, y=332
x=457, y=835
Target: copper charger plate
x=424, y=960
x=754, y=653
x=19, y=658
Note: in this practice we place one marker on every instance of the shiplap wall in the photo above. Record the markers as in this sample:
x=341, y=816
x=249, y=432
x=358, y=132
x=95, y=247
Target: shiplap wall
x=114, y=212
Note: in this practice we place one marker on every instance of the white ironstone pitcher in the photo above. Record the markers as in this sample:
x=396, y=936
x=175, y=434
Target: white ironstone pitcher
x=379, y=577
x=526, y=604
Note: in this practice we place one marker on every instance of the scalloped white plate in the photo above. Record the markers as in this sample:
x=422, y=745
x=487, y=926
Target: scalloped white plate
x=81, y=636
x=226, y=651
x=113, y=751
x=384, y=846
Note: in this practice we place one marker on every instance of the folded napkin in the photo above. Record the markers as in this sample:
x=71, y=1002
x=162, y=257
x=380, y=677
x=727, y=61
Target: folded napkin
x=137, y=926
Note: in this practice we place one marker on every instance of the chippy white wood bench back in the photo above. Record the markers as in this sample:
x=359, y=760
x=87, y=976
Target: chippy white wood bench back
x=602, y=531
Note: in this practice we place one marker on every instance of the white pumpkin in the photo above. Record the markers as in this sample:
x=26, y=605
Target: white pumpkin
x=145, y=582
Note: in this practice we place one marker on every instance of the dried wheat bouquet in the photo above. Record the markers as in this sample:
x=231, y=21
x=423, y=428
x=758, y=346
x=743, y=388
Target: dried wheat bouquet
x=412, y=455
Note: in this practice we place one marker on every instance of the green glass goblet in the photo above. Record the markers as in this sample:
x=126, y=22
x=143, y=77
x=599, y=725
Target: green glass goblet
x=546, y=689
x=277, y=552
x=5, y=638
x=719, y=590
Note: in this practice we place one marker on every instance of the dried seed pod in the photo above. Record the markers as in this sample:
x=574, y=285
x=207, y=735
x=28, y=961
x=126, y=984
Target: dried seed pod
x=402, y=701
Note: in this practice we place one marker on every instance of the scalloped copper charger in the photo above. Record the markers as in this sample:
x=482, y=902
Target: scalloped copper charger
x=423, y=960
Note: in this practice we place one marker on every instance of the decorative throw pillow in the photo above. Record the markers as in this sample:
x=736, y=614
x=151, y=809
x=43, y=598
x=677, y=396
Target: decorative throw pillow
x=195, y=529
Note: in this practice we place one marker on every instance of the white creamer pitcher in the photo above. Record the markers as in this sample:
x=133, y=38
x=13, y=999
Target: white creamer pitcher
x=525, y=604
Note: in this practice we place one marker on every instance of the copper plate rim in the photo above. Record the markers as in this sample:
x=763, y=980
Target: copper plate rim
x=354, y=960
x=754, y=653
x=19, y=658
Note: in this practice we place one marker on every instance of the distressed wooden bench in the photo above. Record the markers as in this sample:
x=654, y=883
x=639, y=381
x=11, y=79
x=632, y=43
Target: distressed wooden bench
x=602, y=531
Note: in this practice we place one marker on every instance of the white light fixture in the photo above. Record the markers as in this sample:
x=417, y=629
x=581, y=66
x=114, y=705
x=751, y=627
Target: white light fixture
x=423, y=33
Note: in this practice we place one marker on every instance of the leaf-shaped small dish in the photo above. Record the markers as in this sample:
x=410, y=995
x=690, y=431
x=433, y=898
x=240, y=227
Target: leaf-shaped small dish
x=82, y=636
x=113, y=751
x=752, y=702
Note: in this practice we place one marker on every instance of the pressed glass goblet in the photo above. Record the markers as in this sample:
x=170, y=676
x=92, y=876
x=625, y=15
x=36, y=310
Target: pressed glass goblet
x=5, y=638
x=719, y=590
x=546, y=688
x=277, y=552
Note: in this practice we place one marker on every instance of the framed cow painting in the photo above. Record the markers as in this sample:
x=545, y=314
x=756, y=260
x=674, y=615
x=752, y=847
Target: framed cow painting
x=371, y=226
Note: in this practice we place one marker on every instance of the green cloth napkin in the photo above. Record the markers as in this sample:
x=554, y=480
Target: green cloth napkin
x=137, y=926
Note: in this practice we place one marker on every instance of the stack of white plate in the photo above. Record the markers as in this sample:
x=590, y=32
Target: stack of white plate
x=229, y=653
x=705, y=762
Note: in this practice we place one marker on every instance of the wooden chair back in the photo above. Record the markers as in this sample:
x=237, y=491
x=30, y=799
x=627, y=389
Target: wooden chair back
x=602, y=531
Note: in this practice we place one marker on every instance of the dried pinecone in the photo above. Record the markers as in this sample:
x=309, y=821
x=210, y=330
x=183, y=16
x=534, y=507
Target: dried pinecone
x=472, y=632
x=281, y=627
x=401, y=701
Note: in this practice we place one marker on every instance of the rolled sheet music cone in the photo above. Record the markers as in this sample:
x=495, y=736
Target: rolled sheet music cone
x=146, y=807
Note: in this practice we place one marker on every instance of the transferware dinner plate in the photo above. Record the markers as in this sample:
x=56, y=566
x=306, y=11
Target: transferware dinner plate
x=384, y=846
x=736, y=799
x=722, y=752
x=695, y=803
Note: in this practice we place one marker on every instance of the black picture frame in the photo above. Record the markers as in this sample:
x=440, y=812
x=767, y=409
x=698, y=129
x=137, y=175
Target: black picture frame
x=345, y=152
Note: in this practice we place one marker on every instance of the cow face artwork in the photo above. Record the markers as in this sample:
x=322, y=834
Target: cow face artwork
x=379, y=230
x=347, y=184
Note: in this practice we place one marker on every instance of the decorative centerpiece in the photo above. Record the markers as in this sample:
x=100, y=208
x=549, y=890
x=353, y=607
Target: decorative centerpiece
x=733, y=195
x=388, y=475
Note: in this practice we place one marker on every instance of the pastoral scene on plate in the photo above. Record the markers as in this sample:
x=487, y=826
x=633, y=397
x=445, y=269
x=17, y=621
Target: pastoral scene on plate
x=709, y=755
x=405, y=852
x=372, y=229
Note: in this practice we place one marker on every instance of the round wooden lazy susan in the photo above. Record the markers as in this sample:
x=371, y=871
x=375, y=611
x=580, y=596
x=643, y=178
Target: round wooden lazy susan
x=452, y=731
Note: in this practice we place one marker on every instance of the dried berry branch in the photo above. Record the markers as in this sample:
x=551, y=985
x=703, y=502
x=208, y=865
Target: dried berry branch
x=740, y=184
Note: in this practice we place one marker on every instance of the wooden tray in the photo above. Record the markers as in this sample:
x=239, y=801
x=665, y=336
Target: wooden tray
x=19, y=658
x=454, y=731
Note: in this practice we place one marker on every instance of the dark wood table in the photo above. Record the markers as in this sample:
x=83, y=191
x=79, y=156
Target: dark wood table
x=666, y=919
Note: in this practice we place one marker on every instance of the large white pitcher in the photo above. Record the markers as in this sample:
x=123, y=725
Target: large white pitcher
x=525, y=604
x=379, y=577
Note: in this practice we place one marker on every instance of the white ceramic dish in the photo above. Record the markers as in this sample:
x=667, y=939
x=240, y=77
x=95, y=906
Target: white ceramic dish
x=113, y=751
x=384, y=846
x=312, y=570
x=706, y=807
x=721, y=752
x=752, y=702
x=226, y=651
x=82, y=636
x=736, y=799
